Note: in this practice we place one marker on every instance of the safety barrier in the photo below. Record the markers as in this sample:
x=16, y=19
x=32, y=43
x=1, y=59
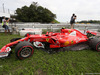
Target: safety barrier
x=51, y=27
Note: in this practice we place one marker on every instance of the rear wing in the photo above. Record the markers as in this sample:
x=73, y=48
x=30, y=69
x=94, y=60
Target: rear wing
x=92, y=32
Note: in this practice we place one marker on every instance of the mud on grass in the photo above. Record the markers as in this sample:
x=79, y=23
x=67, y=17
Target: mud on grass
x=42, y=63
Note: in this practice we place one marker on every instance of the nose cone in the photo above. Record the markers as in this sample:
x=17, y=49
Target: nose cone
x=4, y=52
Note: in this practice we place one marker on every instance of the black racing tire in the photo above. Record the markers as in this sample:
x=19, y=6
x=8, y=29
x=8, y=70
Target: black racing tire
x=14, y=39
x=95, y=43
x=28, y=33
x=24, y=50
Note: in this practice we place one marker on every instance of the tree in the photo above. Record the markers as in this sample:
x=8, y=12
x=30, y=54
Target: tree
x=90, y=21
x=34, y=13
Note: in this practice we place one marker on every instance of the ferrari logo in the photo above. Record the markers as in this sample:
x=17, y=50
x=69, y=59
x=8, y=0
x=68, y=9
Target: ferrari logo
x=72, y=42
x=69, y=31
x=66, y=43
x=47, y=39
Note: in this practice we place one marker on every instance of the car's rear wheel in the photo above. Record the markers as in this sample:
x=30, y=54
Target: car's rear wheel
x=95, y=43
x=24, y=50
x=29, y=33
x=98, y=47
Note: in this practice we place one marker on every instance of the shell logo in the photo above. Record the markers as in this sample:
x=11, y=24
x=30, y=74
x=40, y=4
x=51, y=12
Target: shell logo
x=47, y=39
x=66, y=43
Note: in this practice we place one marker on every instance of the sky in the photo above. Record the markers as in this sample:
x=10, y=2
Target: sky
x=84, y=9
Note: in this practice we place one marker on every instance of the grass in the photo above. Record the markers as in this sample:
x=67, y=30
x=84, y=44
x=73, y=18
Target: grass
x=42, y=63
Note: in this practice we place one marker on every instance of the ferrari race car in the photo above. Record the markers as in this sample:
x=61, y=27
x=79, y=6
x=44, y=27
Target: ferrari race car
x=24, y=47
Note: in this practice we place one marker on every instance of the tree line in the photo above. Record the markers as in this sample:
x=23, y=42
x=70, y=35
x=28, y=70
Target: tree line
x=34, y=13
x=90, y=21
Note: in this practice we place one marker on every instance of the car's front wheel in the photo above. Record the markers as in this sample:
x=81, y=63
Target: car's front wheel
x=24, y=50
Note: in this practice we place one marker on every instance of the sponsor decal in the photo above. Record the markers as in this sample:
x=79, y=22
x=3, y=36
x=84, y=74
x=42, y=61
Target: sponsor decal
x=8, y=49
x=78, y=40
x=72, y=42
x=66, y=43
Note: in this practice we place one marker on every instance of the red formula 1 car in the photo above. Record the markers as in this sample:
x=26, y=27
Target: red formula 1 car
x=24, y=47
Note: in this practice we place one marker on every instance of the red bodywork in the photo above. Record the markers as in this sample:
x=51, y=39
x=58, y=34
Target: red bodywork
x=66, y=37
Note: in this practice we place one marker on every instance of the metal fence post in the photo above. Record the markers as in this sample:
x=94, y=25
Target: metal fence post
x=51, y=28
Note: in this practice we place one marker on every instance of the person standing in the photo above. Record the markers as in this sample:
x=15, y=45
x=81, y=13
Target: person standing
x=5, y=25
x=72, y=21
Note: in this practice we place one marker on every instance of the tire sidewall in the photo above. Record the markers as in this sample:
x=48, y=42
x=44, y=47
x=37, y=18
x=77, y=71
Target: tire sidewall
x=21, y=46
x=97, y=46
x=19, y=52
x=30, y=33
x=94, y=43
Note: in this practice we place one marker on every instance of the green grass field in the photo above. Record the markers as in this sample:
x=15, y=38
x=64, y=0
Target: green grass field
x=42, y=63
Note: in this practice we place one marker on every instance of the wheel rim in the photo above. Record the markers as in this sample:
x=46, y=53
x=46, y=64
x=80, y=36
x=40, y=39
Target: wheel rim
x=98, y=47
x=26, y=52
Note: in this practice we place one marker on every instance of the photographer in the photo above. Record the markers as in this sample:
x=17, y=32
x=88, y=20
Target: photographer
x=5, y=25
